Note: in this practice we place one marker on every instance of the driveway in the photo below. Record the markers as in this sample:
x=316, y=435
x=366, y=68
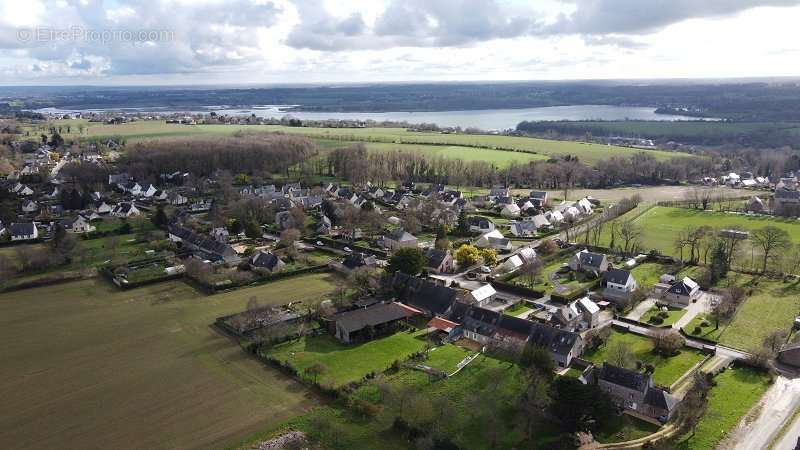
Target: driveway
x=702, y=305
x=790, y=439
x=773, y=411
x=641, y=309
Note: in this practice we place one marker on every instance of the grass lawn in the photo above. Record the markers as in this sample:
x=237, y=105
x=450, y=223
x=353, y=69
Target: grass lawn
x=625, y=428
x=574, y=373
x=519, y=309
x=673, y=315
x=738, y=389
x=772, y=307
x=96, y=367
x=647, y=274
x=661, y=225
x=347, y=363
x=668, y=370
x=446, y=357
x=709, y=332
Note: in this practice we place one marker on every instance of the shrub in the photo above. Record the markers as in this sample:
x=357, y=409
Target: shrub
x=705, y=324
x=697, y=330
x=657, y=320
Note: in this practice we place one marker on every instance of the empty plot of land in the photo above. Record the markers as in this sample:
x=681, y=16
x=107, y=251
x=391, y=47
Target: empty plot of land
x=88, y=366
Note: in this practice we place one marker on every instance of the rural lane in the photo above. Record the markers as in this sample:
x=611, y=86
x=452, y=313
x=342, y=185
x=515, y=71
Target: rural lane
x=772, y=412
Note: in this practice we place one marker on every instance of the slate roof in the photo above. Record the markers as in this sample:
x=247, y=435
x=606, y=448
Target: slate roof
x=424, y=294
x=400, y=235
x=435, y=257
x=355, y=260
x=660, y=398
x=21, y=229
x=556, y=340
x=786, y=194
x=264, y=259
x=683, y=287
x=374, y=315
x=591, y=259
x=620, y=376
x=205, y=243
x=616, y=276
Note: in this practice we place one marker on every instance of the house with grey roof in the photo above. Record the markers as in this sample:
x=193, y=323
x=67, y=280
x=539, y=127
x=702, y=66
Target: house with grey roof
x=588, y=262
x=267, y=260
x=618, y=285
x=367, y=323
x=399, y=238
x=635, y=391
x=683, y=292
x=439, y=261
x=26, y=231
x=429, y=297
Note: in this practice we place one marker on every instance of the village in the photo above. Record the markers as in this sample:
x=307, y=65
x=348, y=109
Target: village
x=505, y=273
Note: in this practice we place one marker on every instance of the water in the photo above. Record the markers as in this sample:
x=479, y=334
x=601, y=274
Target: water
x=486, y=119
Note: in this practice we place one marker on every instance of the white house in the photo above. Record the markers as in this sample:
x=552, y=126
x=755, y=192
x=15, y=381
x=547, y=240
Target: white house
x=29, y=206
x=149, y=191
x=479, y=224
x=619, y=285
x=483, y=294
x=512, y=264
x=398, y=239
x=511, y=210
x=525, y=228
x=554, y=217
x=125, y=209
x=584, y=205
x=493, y=239
x=79, y=224
x=23, y=231
x=683, y=292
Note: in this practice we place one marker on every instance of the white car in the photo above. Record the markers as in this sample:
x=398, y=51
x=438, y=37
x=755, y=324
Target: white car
x=348, y=249
x=320, y=244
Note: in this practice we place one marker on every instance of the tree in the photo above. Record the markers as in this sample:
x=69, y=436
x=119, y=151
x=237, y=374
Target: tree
x=775, y=340
x=720, y=265
x=620, y=354
x=537, y=358
x=695, y=401
x=463, y=223
x=668, y=341
x=409, y=260
x=535, y=402
x=160, y=218
x=364, y=280
x=770, y=240
x=467, y=255
x=580, y=406
x=547, y=247
x=315, y=370
x=252, y=229
x=489, y=257
x=630, y=233
x=289, y=237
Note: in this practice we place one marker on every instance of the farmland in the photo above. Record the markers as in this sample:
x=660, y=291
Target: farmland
x=498, y=149
x=101, y=368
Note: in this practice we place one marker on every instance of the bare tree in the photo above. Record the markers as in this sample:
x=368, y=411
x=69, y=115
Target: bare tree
x=630, y=233
x=770, y=240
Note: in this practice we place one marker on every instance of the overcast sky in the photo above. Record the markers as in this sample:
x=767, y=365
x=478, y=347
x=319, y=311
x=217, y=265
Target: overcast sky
x=311, y=41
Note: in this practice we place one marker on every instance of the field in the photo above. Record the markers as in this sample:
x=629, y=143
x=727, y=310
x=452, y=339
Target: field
x=668, y=370
x=738, y=389
x=95, y=367
x=661, y=225
x=450, y=144
x=446, y=357
x=773, y=307
x=346, y=363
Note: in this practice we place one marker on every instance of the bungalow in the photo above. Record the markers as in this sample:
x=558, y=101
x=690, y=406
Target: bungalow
x=366, y=323
x=23, y=231
x=398, y=239
x=125, y=209
x=584, y=205
x=132, y=188
x=540, y=220
x=203, y=246
x=479, y=224
x=527, y=254
x=267, y=260
x=78, y=224
x=585, y=261
x=636, y=391
x=324, y=225
x=683, y=292
x=619, y=284
x=494, y=239
x=439, y=261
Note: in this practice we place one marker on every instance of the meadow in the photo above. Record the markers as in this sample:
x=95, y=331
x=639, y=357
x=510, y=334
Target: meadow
x=499, y=149
x=95, y=367
x=737, y=390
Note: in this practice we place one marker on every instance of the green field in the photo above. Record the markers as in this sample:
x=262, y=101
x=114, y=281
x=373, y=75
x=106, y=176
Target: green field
x=446, y=357
x=450, y=145
x=673, y=315
x=647, y=274
x=773, y=307
x=668, y=370
x=661, y=225
x=346, y=363
x=89, y=366
x=738, y=389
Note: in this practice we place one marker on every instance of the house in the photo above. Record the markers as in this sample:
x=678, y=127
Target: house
x=439, y=261
x=527, y=254
x=786, y=202
x=683, y=292
x=148, y=192
x=479, y=224
x=539, y=197
x=221, y=234
x=177, y=199
x=499, y=191
x=366, y=323
x=587, y=262
x=512, y=264
x=203, y=246
x=29, y=206
x=125, y=209
x=540, y=220
x=22, y=190
x=755, y=205
x=398, y=239
x=483, y=295
x=78, y=224
x=554, y=217
x=584, y=206
x=324, y=225
x=267, y=260
x=429, y=297
x=590, y=311
x=618, y=285
x=510, y=211
x=449, y=328
x=355, y=260
x=526, y=228
x=102, y=207
x=494, y=239
x=636, y=391
x=23, y=231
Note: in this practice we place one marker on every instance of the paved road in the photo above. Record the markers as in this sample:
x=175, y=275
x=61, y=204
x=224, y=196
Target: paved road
x=789, y=441
x=774, y=410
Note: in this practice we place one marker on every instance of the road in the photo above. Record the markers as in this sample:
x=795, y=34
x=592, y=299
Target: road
x=789, y=440
x=773, y=411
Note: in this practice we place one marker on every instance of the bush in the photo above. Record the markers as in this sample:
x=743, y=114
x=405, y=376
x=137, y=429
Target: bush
x=697, y=330
x=705, y=324
x=657, y=320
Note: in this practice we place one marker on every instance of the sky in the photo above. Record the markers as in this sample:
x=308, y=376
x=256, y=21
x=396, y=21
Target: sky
x=184, y=42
